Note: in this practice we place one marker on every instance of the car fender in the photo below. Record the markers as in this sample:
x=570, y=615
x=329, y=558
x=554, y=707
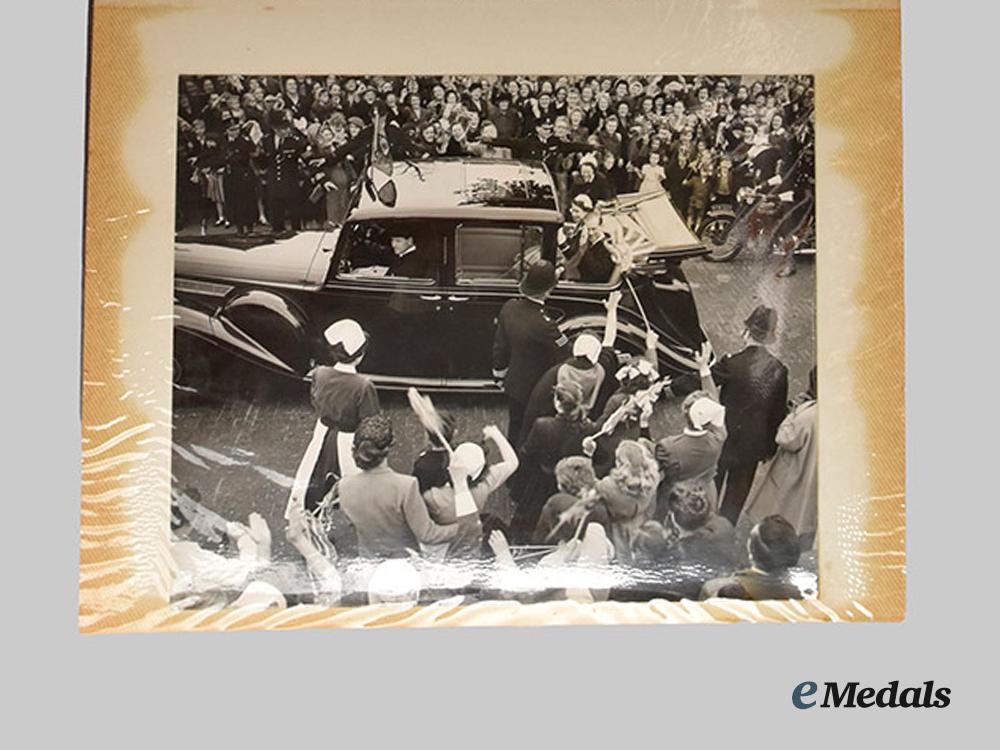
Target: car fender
x=256, y=324
x=273, y=322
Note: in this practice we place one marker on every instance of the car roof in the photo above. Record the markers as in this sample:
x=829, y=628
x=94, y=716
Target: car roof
x=465, y=188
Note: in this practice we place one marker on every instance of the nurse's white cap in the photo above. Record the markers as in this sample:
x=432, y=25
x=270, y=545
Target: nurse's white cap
x=472, y=457
x=347, y=333
x=706, y=411
x=587, y=345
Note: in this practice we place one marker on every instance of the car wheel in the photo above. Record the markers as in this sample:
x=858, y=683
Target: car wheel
x=721, y=239
x=191, y=368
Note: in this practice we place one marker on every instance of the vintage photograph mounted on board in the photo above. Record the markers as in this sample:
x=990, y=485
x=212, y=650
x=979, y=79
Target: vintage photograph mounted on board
x=478, y=346
x=540, y=253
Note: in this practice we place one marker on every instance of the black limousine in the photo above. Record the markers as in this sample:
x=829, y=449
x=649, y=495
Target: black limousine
x=473, y=224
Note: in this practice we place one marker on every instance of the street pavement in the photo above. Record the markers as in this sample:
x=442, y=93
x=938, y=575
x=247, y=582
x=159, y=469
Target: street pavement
x=240, y=451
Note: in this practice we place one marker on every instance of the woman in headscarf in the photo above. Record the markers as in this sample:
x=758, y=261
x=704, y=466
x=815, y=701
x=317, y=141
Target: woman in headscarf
x=787, y=484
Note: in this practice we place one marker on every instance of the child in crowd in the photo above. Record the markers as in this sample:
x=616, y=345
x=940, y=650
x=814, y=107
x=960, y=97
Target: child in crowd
x=701, y=183
x=652, y=174
x=576, y=481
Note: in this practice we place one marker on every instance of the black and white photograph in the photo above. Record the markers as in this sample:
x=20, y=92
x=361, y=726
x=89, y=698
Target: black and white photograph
x=493, y=337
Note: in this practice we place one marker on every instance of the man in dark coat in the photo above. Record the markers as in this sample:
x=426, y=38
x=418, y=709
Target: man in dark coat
x=753, y=386
x=592, y=365
x=754, y=389
x=409, y=261
x=281, y=149
x=240, y=179
x=526, y=343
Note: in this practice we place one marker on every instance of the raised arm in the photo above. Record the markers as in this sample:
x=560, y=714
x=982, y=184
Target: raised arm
x=501, y=350
x=652, y=353
x=509, y=461
x=702, y=358
x=611, y=322
x=465, y=503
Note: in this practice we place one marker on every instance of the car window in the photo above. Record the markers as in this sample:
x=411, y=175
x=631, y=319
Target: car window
x=389, y=251
x=587, y=260
x=495, y=253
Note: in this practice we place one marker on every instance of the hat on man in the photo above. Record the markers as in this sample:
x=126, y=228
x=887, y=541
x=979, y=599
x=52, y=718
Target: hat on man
x=762, y=322
x=582, y=200
x=539, y=279
x=346, y=333
x=587, y=346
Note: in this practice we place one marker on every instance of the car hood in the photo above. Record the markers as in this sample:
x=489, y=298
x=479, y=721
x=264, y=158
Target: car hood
x=647, y=228
x=300, y=259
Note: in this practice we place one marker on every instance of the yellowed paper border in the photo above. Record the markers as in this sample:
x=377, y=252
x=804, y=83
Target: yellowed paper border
x=138, y=49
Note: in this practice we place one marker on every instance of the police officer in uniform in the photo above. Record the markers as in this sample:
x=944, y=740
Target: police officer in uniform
x=526, y=343
x=282, y=148
x=240, y=180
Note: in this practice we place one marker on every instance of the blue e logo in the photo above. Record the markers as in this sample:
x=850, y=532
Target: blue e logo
x=803, y=690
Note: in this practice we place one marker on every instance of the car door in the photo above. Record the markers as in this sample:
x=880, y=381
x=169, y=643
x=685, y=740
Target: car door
x=400, y=314
x=485, y=265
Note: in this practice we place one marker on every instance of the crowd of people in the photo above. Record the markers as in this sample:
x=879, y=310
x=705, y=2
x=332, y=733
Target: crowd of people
x=724, y=507
x=278, y=152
